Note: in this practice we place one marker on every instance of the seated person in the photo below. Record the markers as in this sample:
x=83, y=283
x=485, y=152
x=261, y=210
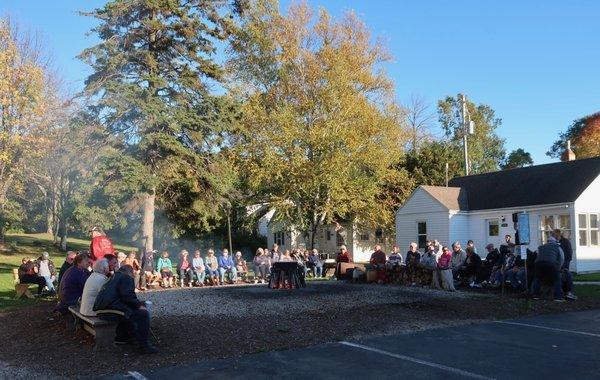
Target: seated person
x=184, y=269
x=68, y=263
x=212, y=267
x=395, y=259
x=240, y=264
x=443, y=274
x=468, y=273
x=45, y=268
x=72, y=284
x=227, y=267
x=314, y=263
x=487, y=265
x=515, y=274
x=132, y=261
x=343, y=256
x=198, y=268
x=165, y=268
x=429, y=258
x=117, y=301
x=286, y=256
x=377, y=261
x=149, y=275
x=28, y=275
x=458, y=258
x=121, y=257
x=261, y=265
x=92, y=286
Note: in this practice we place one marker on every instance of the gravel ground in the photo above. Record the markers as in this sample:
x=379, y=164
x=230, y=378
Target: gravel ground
x=209, y=323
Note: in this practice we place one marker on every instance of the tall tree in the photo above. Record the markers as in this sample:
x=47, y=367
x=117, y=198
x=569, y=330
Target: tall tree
x=517, y=159
x=486, y=149
x=427, y=165
x=28, y=103
x=584, y=134
x=321, y=134
x=153, y=72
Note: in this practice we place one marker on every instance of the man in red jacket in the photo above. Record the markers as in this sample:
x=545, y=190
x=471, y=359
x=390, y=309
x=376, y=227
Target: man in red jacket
x=100, y=245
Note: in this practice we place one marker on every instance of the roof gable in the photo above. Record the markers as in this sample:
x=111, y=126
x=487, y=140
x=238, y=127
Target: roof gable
x=453, y=198
x=534, y=185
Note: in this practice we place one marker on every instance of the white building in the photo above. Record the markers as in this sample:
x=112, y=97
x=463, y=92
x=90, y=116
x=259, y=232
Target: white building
x=564, y=195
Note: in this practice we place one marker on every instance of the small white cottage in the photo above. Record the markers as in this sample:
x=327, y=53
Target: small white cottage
x=564, y=195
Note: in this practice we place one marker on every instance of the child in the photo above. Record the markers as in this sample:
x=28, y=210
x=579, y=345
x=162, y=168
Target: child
x=165, y=269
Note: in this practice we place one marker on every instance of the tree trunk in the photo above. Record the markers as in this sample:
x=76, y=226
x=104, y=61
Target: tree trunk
x=63, y=237
x=148, y=221
x=49, y=221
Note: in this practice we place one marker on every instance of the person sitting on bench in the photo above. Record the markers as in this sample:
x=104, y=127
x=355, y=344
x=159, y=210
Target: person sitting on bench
x=184, y=269
x=227, y=266
x=28, y=275
x=68, y=263
x=71, y=287
x=92, y=287
x=46, y=270
x=165, y=268
x=117, y=301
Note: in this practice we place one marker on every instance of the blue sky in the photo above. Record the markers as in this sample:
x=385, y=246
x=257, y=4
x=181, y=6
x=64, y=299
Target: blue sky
x=536, y=63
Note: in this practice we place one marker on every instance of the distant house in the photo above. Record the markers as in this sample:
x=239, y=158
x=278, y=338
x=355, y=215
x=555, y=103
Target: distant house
x=359, y=241
x=563, y=195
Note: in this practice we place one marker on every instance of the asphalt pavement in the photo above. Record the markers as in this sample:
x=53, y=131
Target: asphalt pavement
x=559, y=346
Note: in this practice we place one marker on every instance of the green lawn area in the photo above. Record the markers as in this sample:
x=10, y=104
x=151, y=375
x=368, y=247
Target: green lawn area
x=587, y=291
x=32, y=245
x=587, y=277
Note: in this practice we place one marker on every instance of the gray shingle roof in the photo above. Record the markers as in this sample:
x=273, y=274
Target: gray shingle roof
x=453, y=198
x=558, y=182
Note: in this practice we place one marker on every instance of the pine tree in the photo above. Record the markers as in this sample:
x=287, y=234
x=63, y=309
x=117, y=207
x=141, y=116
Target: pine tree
x=153, y=71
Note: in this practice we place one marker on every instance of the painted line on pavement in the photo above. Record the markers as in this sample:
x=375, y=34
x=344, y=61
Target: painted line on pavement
x=136, y=375
x=548, y=328
x=418, y=361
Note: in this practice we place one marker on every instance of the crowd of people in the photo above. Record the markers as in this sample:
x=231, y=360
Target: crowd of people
x=450, y=267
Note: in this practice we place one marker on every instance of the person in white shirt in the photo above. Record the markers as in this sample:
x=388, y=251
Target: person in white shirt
x=92, y=287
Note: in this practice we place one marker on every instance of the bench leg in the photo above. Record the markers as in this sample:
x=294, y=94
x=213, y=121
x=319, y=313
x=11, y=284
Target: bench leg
x=105, y=336
x=71, y=322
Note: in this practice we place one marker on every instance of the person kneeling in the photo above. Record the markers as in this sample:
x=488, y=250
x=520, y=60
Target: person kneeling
x=117, y=301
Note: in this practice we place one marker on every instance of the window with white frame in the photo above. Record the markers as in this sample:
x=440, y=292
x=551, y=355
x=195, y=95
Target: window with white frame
x=588, y=233
x=279, y=238
x=493, y=227
x=548, y=223
x=422, y=234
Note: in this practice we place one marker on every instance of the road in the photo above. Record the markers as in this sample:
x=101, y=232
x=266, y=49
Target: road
x=559, y=346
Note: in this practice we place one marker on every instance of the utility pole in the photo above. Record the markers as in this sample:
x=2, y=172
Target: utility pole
x=468, y=128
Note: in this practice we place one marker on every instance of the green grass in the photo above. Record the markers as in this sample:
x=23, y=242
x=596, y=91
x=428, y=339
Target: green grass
x=32, y=245
x=587, y=291
x=587, y=277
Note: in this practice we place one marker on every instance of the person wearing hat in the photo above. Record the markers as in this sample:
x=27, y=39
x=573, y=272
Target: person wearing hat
x=47, y=270
x=548, y=262
x=100, y=244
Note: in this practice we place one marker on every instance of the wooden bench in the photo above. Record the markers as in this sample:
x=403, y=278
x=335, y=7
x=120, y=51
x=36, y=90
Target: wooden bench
x=20, y=289
x=103, y=331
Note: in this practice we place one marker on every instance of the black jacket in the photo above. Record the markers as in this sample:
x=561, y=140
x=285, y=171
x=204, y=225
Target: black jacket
x=118, y=294
x=565, y=244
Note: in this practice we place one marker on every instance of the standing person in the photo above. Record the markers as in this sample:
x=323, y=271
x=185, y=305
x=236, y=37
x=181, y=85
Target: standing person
x=458, y=258
x=148, y=274
x=100, y=244
x=28, y=275
x=165, y=268
x=198, y=269
x=445, y=271
x=212, y=267
x=413, y=259
x=68, y=263
x=92, y=287
x=72, y=284
x=118, y=294
x=184, y=269
x=565, y=245
x=548, y=262
x=46, y=270
x=226, y=266
x=132, y=261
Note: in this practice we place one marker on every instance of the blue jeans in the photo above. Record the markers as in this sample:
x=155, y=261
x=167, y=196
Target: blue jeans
x=567, y=280
x=200, y=275
x=318, y=271
x=547, y=272
x=212, y=273
x=516, y=279
x=49, y=283
x=232, y=274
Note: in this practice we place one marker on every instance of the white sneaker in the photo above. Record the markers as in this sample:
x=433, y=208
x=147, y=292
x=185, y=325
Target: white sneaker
x=571, y=296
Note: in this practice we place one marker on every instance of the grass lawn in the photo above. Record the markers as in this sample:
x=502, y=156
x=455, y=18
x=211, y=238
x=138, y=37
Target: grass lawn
x=587, y=291
x=32, y=245
x=587, y=277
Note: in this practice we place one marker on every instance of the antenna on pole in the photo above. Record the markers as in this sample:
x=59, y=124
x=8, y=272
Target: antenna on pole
x=468, y=128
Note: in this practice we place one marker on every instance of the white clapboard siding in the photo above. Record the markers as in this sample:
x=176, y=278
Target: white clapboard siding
x=587, y=258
